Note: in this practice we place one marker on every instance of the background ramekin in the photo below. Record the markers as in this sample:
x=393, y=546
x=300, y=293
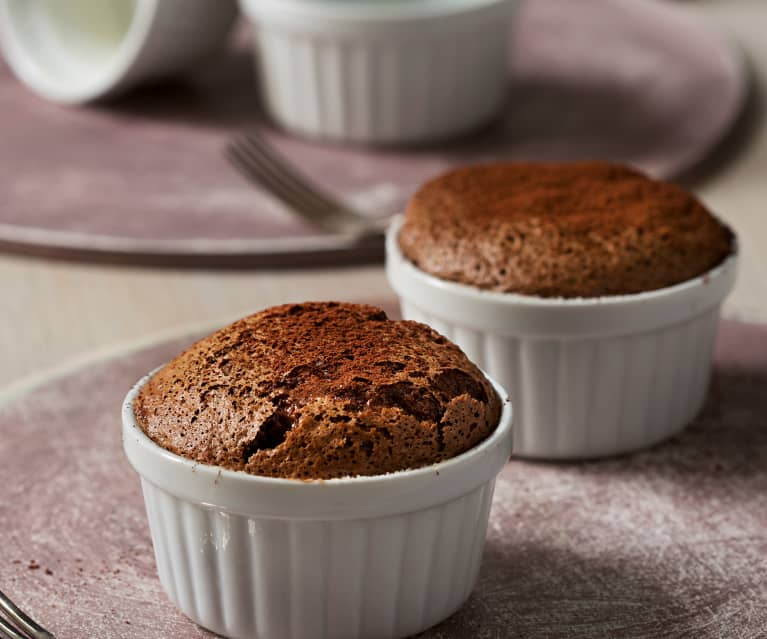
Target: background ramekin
x=365, y=557
x=406, y=71
x=588, y=377
x=164, y=36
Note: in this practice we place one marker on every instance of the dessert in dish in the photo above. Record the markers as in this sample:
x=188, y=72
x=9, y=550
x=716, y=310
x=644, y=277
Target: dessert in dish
x=589, y=290
x=316, y=391
x=384, y=442
x=561, y=230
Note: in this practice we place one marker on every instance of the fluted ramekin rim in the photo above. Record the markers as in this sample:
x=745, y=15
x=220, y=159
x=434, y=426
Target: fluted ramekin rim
x=383, y=12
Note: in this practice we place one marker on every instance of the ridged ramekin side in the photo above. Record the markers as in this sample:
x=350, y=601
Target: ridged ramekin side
x=380, y=577
x=593, y=397
x=382, y=85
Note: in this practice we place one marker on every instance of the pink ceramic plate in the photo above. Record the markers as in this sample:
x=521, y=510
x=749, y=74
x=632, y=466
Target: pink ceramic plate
x=144, y=181
x=669, y=542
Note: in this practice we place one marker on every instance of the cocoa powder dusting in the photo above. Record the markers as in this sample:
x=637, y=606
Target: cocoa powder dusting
x=318, y=391
x=586, y=229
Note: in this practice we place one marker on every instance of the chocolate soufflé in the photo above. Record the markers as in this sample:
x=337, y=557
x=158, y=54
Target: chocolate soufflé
x=319, y=391
x=586, y=229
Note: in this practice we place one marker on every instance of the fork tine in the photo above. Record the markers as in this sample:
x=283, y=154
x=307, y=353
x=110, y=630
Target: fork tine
x=293, y=177
x=264, y=165
x=22, y=620
x=267, y=177
x=7, y=631
x=253, y=169
x=261, y=164
x=245, y=164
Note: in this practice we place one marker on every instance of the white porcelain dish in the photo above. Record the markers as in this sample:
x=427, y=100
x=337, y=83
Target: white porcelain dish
x=588, y=377
x=364, y=557
x=76, y=51
x=382, y=72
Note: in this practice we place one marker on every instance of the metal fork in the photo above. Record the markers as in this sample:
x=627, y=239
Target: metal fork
x=19, y=625
x=260, y=163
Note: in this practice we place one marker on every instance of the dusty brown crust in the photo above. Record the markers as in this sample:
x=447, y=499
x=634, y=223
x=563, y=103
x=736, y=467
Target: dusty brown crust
x=318, y=391
x=561, y=230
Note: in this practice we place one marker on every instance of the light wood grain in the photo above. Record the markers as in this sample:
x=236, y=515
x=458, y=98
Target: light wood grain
x=51, y=311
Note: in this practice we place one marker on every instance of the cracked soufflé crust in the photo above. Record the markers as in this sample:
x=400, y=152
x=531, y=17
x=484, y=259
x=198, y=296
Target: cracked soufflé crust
x=586, y=229
x=319, y=391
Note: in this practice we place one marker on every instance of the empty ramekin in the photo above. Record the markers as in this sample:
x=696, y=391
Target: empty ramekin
x=253, y=557
x=403, y=71
x=82, y=50
x=589, y=377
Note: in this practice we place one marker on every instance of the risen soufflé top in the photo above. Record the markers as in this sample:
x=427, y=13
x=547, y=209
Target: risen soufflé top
x=319, y=391
x=586, y=229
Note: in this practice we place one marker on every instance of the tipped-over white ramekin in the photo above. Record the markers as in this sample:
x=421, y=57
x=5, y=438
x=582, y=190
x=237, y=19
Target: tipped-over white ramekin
x=357, y=558
x=589, y=377
x=403, y=71
x=71, y=51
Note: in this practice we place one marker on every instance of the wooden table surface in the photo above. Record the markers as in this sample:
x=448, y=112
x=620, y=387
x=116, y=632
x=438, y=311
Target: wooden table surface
x=54, y=312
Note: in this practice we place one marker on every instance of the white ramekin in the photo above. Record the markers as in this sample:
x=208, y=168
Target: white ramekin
x=588, y=377
x=406, y=71
x=69, y=65
x=365, y=557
